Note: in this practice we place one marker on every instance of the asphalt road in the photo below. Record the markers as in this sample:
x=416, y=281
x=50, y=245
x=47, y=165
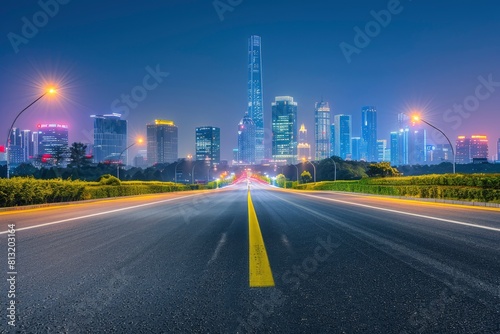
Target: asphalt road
x=180, y=263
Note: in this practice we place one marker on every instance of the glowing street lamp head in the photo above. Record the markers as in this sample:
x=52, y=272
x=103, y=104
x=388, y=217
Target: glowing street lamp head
x=139, y=141
x=51, y=91
x=416, y=118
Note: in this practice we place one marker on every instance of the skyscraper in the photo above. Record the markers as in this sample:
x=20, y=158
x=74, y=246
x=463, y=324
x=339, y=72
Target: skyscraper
x=284, y=124
x=322, y=130
x=255, y=94
x=110, y=137
x=246, y=140
x=15, y=147
x=356, y=145
x=332, y=140
x=52, y=138
x=208, y=144
x=479, y=147
x=343, y=135
x=303, y=148
x=162, y=142
x=369, y=133
x=382, y=151
x=395, y=148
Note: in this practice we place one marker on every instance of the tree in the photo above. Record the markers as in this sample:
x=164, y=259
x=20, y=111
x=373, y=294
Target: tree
x=60, y=154
x=77, y=155
x=382, y=169
x=280, y=180
x=305, y=177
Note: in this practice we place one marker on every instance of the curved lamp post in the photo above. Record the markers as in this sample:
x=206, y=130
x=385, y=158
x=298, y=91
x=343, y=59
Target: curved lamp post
x=335, y=171
x=297, y=168
x=417, y=118
x=50, y=91
x=139, y=141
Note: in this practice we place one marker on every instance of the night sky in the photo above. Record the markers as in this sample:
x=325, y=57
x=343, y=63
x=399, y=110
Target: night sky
x=429, y=58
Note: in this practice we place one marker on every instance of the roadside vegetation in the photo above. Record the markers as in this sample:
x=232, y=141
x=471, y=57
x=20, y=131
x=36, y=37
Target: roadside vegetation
x=29, y=191
x=462, y=187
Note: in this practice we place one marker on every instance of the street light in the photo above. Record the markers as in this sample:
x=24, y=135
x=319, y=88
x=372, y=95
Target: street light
x=175, y=171
x=50, y=91
x=335, y=170
x=297, y=168
x=139, y=141
x=314, y=167
x=192, y=171
x=417, y=118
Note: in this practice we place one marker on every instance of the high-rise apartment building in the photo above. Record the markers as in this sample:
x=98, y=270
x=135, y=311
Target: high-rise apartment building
x=322, y=130
x=369, y=133
x=110, y=138
x=284, y=125
x=162, y=146
x=468, y=149
x=343, y=136
x=208, y=144
x=246, y=140
x=255, y=95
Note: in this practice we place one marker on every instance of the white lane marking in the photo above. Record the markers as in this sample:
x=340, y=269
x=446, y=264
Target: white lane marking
x=404, y=213
x=220, y=244
x=101, y=213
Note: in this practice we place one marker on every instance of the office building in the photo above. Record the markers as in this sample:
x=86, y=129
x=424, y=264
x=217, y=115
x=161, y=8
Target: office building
x=332, y=140
x=383, y=153
x=369, y=134
x=110, y=138
x=356, y=145
x=322, y=130
x=285, y=132
x=162, y=146
x=343, y=135
x=246, y=140
x=208, y=145
x=52, y=139
x=255, y=95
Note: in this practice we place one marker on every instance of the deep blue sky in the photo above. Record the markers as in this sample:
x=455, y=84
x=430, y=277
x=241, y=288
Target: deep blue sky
x=429, y=57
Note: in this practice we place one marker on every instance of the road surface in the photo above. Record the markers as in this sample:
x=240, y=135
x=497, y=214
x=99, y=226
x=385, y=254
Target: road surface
x=314, y=262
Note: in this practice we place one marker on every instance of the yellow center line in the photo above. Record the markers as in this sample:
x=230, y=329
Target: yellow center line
x=259, y=267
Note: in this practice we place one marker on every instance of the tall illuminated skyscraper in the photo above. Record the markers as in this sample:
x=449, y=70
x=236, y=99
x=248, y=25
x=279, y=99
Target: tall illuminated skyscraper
x=246, y=141
x=162, y=142
x=343, y=136
x=369, y=133
x=110, y=137
x=208, y=144
x=322, y=130
x=284, y=123
x=255, y=95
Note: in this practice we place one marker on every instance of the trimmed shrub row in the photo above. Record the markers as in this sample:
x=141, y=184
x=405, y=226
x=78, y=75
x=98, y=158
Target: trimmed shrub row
x=462, y=193
x=29, y=191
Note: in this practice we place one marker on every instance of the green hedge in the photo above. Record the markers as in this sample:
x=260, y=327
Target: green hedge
x=29, y=191
x=477, y=188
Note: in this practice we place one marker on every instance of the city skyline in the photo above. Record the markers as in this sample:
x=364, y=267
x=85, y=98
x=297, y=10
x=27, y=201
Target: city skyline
x=445, y=73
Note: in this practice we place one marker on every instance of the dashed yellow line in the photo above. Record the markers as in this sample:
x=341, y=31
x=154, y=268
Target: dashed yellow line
x=259, y=267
